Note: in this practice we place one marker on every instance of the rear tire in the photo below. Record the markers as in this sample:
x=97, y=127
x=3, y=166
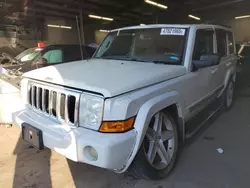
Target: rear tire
x=228, y=96
x=157, y=155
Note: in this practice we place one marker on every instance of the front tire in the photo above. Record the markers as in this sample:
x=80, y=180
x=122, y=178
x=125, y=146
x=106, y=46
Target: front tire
x=157, y=155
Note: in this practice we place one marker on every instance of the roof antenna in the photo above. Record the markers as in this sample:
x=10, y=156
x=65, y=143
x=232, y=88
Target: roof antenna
x=79, y=35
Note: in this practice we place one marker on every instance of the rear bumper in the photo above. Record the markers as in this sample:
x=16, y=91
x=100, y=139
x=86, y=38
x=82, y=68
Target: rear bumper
x=113, y=149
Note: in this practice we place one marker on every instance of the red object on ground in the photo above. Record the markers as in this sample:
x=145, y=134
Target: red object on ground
x=40, y=45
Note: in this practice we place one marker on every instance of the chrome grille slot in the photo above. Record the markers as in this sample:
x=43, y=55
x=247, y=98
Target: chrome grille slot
x=33, y=96
x=71, y=108
x=39, y=98
x=58, y=105
x=50, y=102
x=53, y=103
x=29, y=95
x=46, y=101
x=62, y=107
x=56, y=102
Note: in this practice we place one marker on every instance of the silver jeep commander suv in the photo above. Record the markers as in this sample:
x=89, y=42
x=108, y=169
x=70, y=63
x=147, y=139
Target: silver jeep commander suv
x=134, y=102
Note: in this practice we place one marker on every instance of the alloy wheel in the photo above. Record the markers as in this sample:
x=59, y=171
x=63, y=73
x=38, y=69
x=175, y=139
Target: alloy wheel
x=159, y=145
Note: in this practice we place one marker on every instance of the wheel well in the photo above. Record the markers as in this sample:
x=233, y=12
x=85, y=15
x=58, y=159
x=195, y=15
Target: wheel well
x=173, y=110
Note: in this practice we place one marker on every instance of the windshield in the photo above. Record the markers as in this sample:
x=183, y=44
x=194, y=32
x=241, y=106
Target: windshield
x=149, y=45
x=28, y=55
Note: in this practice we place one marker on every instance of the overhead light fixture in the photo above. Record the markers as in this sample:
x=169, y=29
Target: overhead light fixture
x=59, y=26
x=194, y=17
x=94, y=16
x=240, y=17
x=100, y=17
x=162, y=6
x=104, y=31
x=151, y=2
x=156, y=4
x=66, y=27
x=142, y=24
x=108, y=19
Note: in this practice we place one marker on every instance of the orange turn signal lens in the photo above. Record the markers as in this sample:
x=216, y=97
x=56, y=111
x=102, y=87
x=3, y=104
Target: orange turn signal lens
x=117, y=126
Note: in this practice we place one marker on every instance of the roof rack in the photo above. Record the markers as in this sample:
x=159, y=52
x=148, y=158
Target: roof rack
x=215, y=23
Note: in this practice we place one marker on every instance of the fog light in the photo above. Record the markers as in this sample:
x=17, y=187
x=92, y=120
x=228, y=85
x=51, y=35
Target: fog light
x=90, y=153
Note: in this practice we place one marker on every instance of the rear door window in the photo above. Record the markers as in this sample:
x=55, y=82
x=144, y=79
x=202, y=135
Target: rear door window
x=221, y=36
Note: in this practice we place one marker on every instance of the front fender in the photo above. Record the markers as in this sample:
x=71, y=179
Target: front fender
x=145, y=114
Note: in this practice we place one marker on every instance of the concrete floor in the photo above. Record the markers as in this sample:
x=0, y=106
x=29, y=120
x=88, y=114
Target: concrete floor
x=199, y=165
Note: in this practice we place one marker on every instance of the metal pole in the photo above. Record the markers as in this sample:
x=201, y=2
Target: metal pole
x=79, y=35
x=81, y=27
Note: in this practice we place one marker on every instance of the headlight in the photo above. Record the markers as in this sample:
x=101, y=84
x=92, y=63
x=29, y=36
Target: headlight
x=91, y=111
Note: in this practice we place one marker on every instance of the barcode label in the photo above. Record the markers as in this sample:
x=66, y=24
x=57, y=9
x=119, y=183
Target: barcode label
x=172, y=31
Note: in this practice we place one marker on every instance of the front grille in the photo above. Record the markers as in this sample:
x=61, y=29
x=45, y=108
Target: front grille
x=57, y=102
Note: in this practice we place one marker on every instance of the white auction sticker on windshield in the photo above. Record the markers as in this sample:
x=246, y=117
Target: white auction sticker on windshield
x=172, y=31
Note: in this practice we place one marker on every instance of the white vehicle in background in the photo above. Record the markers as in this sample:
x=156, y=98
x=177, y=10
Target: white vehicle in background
x=135, y=102
x=10, y=73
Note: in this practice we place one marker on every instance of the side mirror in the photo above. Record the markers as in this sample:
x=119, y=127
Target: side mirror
x=206, y=61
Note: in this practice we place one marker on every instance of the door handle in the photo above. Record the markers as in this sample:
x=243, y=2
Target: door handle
x=228, y=64
x=214, y=70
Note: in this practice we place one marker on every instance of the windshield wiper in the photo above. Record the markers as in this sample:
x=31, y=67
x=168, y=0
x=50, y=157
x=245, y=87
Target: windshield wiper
x=114, y=57
x=164, y=62
x=126, y=58
x=138, y=59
